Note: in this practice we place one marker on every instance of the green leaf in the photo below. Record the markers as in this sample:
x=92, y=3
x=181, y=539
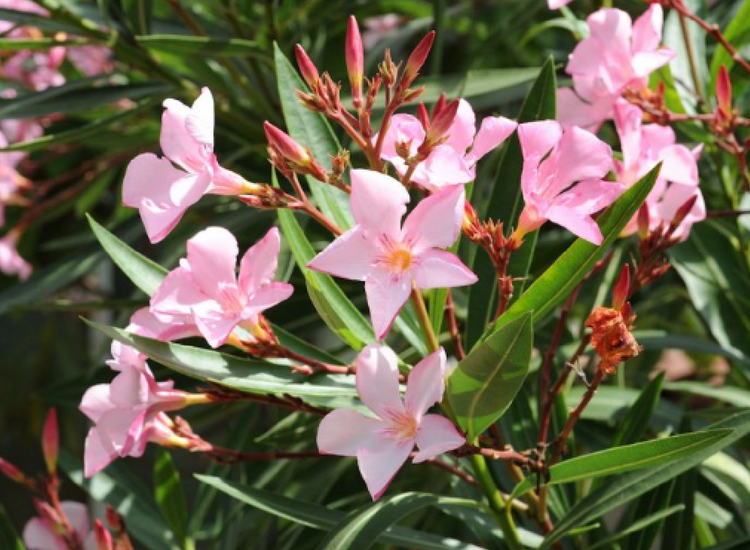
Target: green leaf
x=636, y=526
x=170, y=496
x=623, y=488
x=201, y=45
x=323, y=518
x=734, y=396
x=144, y=273
x=574, y=264
x=16, y=44
x=737, y=34
x=336, y=310
x=311, y=130
x=505, y=204
x=245, y=375
x=9, y=539
x=634, y=425
x=487, y=380
x=681, y=67
x=616, y=460
x=359, y=529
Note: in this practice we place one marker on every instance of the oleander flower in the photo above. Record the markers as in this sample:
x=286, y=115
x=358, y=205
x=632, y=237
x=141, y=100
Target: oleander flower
x=43, y=534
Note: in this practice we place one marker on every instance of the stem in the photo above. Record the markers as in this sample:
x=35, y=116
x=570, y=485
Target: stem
x=691, y=60
x=715, y=31
x=424, y=319
x=497, y=503
x=450, y=309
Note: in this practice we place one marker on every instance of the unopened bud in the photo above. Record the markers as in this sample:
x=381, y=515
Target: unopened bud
x=423, y=116
x=307, y=68
x=413, y=95
x=339, y=163
x=441, y=125
x=724, y=91
x=683, y=212
x=355, y=60
x=621, y=289
x=114, y=520
x=51, y=441
x=103, y=538
x=311, y=101
x=12, y=472
x=417, y=59
x=388, y=69
x=403, y=149
x=439, y=105
x=47, y=512
x=285, y=146
x=643, y=221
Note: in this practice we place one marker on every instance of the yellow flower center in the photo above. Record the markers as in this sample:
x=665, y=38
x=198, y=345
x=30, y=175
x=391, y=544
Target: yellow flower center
x=399, y=260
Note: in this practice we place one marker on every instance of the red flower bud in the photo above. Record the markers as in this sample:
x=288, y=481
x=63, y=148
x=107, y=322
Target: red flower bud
x=643, y=221
x=417, y=59
x=51, y=441
x=724, y=91
x=621, y=288
x=355, y=60
x=285, y=146
x=682, y=212
x=12, y=472
x=103, y=538
x=441, y=124
x=439, y=105
x=423, y=116
x=306, y=67
x=114, y=520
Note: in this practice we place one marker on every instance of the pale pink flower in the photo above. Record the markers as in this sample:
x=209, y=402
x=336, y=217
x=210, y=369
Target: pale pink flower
x=643, y=146
x=125, y=411
x=144, y=323
x=617, y=55
x=26, y=6
x=378, y=27
x=42, y=533
x=562, y=178
x=391, y=259
x=205, y=291
x=454, y=161
x=557, y=4
x=91, y=60
x=383, y=442
x=11, y=262
x=161, y=192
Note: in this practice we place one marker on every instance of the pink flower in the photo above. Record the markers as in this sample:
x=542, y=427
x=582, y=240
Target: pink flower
x=643, y=146
x=379, y=26
x=617, y=55
x=145, y=323
x=454, y=161
x=562, y=178
x=43, y=533
x=557, y=4
x=11, y=262
x=126, y=411
x=161, y=192
x=389, y=258
x=205, y=291
x=383, y=443
x=91, y=60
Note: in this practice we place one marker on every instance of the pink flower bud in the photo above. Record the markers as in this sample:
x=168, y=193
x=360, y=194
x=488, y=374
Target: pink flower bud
x=114, y=520
x=643, y=221
x=441, y=125
x=355, y=60
x=423, y=116
x=285, y=146
x=724, y=91
x=51, y=441
x=621, y=288
x=103, y=538
x=683, y=211
x=306, y=67
x=12, y=472
x=417, y=59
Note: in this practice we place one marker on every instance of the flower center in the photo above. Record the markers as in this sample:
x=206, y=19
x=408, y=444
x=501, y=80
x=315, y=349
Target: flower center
x=402, y=425
x=399, y=260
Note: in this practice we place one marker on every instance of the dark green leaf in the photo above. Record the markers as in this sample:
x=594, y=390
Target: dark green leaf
x=487, y=380
x=737, y=34
x=634, y=425
x=636, y=526
x=201, y=45
x=170, y=496
x=9, y=539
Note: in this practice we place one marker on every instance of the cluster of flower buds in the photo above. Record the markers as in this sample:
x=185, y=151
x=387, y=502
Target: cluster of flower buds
x=289, y=157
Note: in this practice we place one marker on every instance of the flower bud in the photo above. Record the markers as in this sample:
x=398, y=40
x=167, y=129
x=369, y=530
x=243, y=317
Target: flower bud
x=621, y=288
x=423, y=116
x=417, y=59
x=643, y=221
x=355, y=60
x=682, y=213
x=724, y=92
x=114, y=520
x=47, y=512
x=441, y=125
x=103, y=538
x=12, y=472
x=285, y=146
x=306, y=67
x=339, y=163
x=388, y=69
x=51, y=441
x=439, y=105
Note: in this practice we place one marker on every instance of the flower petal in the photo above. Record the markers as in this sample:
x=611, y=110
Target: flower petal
x=212, y=255
x=266, y=297
x=538, y=138
x=436, y=220
x=343, y=432
x=350, y=256
x=403, y=128
x=590, y=196
x=258, y=264
x=78, y=516
x=580, y=155
x=581, y=226
x=96, y=456
x=647, y=29
x=444, y=167
x=176, y=296
x=679, y=165
x=436, y=435
x=493, y=131
x=39, y=535
x=379, y=466
x=386, y=295
x=95, y=402
x=461, y=132
x=378, y=202
x=574, y=111
x=441, y=269
x=180, y=125
x=426, y=384
x=377, y=380
x=214, y=323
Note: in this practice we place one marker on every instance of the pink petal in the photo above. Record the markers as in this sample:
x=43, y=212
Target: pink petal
x=444, y=167
x=129, y=388
x=215, y=324
x=426, y=384
x=180, y=125
x=378, y=202
x=493, y=132
x=586, y=59
x=266, y=297
x=436, y=435
x=350, y=256
x=436, y=220
x=674, y=197
x=258, y=264
x=573, y=111
x=379, y=466
x=646, y=63
x=200, y=121
x=557, y=4
x=628, y=124
x=611, y=28
x=120, y=428
x=441, y=269
x=679, y=165
x=386, y=295
x=647, y=29
x=96, y=401
x=39, y=535
x=176, y=296
x=145, y=323
x=584, y=227
x=343, y=432
x=654, y=138
x=96, y=456
x=78, y=515
x=212, y=255
x=580, y=155
x=403, y=128
x=590, y=196
x=538, y=138
x=377, y=380
x=461, y=133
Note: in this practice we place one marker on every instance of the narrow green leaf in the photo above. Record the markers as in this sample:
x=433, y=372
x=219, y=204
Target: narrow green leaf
x=571, y=267
x=636, y=526
x=653, y=501
x=170, y=496
x=634, y=425
x=734, y=396
x=250, y=376
x=16, y=44
x=336, y=310
x=359, y=529
x=680, y=527
x=486, y=381
x=630, y=485
x=311, y=130
x=144, y=273
x=9, y=539
x=323, y=518
x=505, y=204
x=201, y=45
x=616, y=460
